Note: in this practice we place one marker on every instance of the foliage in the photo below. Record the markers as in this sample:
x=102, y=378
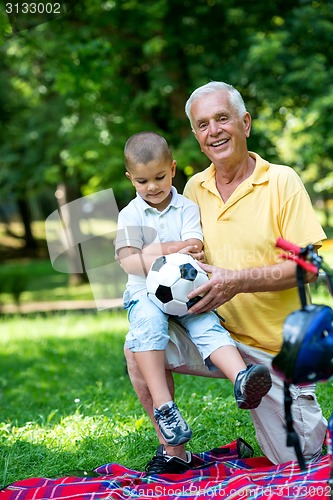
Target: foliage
x=78, y=86
x=300, y=112
x=41, y=283
x=13, y=281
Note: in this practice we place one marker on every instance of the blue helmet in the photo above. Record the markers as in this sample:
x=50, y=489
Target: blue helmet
x=306, y=355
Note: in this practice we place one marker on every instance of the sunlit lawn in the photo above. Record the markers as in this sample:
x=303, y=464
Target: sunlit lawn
x=66, y=402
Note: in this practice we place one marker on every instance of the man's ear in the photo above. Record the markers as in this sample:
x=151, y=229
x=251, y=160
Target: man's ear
x=247, y=124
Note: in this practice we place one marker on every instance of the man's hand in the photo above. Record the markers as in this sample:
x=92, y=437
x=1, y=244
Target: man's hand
x=222, y=286
x=193, y=251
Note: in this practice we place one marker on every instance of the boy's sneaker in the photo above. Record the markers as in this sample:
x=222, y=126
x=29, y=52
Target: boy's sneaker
x=162, y=463
x=251, y=385
x=173, y=427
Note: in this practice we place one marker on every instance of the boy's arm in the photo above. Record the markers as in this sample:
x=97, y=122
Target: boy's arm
x=168, y=247
x=136, y=257
x=132, y=261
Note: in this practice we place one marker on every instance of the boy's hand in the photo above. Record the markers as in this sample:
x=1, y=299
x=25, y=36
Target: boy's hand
x=192, y=250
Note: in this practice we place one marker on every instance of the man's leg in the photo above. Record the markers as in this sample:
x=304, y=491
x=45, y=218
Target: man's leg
x=144, y=396
x=269, y=417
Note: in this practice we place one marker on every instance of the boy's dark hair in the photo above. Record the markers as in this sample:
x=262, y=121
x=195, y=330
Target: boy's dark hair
x=145, y=147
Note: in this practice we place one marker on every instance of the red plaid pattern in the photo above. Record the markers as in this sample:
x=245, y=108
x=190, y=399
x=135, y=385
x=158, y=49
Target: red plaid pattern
x=229, y=477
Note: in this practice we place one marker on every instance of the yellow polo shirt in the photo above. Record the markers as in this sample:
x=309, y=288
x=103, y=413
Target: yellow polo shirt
x=242, y=232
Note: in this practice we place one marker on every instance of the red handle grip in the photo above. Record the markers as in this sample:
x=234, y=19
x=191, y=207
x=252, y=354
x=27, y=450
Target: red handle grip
x=287, y=246
x=296, y=250
x=303, y=263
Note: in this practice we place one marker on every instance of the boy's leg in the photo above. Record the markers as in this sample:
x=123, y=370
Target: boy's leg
x=152, y=367
x=141, y=389
x=167, y=415
x=147, y=339
x=145, y=398
x=211, y=339
x=251, y=383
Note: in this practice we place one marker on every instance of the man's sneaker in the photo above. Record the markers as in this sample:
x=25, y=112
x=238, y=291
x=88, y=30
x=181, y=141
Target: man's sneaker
x=162, y=463
x=173, y=427
x=251, y=385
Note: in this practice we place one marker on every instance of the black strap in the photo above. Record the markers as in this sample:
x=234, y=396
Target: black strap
x=301, y=285
x=292, y=437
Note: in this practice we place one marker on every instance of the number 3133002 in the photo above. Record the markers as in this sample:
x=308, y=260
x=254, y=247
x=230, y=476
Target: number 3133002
x=33, y=8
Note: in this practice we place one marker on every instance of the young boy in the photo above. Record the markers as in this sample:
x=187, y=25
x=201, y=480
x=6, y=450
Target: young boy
x=157, y=222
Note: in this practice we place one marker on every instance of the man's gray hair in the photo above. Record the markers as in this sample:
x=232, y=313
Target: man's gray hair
x=212, y=87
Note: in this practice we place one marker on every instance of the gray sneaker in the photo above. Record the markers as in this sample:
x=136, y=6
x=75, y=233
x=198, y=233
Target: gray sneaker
x=173, y=427
x=251, y=385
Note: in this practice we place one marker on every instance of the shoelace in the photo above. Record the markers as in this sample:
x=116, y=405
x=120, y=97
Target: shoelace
x=170, y=417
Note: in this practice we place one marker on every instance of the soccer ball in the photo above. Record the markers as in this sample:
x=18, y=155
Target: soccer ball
x=170, y=279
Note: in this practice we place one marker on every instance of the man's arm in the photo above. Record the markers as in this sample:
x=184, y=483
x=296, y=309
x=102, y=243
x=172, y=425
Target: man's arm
x=224, y=284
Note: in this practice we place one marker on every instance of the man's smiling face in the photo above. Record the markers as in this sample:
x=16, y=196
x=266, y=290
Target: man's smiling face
x=218, y=127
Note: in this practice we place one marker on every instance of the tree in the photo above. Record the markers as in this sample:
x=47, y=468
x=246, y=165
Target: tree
x=297, y=119
x=79, y=86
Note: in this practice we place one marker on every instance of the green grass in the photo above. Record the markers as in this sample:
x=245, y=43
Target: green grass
x=38, y=281
x=66, y=402
x=34, y=279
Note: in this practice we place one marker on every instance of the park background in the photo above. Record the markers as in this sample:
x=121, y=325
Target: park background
x=72, y=90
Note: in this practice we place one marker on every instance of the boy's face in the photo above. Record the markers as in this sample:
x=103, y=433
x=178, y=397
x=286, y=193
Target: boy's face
x=153, y=182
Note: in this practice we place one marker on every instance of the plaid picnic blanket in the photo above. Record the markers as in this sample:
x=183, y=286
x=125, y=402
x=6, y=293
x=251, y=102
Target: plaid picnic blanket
x=224, y=476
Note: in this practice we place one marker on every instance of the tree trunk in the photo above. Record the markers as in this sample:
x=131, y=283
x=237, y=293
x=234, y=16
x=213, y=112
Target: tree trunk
x=24, y=210
x=65, y=194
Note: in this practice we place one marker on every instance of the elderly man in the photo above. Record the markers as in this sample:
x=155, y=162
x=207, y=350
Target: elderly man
x=246, y=203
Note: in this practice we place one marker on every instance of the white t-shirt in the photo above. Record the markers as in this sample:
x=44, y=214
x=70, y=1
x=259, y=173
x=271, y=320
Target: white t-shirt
x=140, y=224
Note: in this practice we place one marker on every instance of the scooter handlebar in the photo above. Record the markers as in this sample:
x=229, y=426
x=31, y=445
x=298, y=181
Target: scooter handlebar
x=287, y=246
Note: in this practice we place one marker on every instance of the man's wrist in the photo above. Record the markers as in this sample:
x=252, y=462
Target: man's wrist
x=242, y=281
